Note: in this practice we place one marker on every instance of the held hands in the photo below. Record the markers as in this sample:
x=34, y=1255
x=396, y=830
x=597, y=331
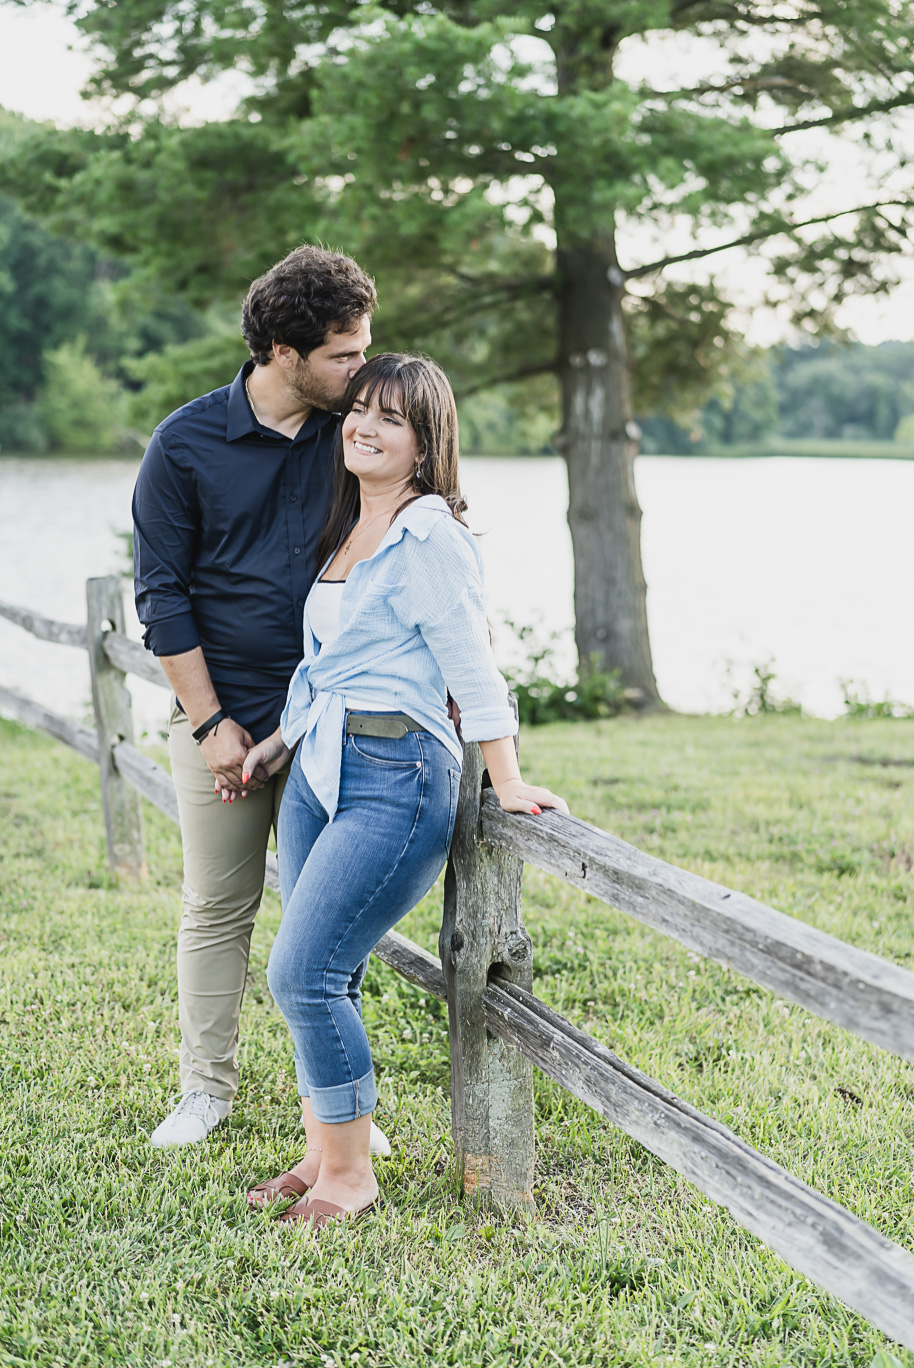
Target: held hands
x=252, y=767
x=224, y=750
x=516, y=796
x=263, y=761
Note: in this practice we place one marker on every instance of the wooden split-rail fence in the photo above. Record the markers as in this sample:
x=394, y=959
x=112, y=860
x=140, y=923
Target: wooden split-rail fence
x=499, y=1029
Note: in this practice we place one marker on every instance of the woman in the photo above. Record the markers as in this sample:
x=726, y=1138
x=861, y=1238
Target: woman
x=395, y=621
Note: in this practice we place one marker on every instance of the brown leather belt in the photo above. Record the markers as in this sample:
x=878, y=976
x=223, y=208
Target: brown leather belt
x=381, y=724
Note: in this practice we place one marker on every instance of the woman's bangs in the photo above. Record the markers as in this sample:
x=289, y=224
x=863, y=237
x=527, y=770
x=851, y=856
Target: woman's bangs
x=387, y=389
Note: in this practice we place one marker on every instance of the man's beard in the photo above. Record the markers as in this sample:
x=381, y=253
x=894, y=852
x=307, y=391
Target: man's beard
x=312, y=391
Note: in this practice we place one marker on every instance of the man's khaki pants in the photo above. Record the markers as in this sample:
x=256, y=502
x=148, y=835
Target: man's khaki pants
x=225, y=846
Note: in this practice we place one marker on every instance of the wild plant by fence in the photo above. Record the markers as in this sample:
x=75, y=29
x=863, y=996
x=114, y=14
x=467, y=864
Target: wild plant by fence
x=499, y=1029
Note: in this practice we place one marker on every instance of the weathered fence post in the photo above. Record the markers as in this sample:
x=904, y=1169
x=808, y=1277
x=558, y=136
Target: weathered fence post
x=482, y=930
x=111, y=697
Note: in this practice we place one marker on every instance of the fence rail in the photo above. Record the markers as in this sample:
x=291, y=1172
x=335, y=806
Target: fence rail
x=131, y=658
x=498, y=1028
x=45, y=629
x=865, y=994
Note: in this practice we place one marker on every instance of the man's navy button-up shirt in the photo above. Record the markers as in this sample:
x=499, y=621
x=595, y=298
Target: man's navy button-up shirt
x=227, y=516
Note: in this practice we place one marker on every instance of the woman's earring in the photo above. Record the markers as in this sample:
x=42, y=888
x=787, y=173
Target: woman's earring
x=419, y=464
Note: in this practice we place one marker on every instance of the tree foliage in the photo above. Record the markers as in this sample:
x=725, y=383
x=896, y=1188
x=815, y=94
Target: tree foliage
x=72, y=323
x=79, y=408
x=528, y=196
x=446, y=144
x=45, y=288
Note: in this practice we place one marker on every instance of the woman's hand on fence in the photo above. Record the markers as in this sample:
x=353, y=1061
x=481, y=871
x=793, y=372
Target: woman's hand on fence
x=516, y=796
x=500, y=758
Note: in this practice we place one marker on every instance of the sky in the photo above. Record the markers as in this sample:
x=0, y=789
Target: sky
x=44, y=65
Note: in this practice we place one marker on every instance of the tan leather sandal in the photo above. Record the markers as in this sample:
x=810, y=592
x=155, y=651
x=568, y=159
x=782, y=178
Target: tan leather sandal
x=318, y=1213
x=278, y=1189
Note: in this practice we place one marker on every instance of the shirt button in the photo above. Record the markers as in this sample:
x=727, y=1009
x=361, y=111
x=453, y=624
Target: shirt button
x=297, y=550
x=293, y=498
x=301, y=603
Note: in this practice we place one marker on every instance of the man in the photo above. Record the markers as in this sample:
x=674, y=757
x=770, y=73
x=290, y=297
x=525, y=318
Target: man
x=230, y=502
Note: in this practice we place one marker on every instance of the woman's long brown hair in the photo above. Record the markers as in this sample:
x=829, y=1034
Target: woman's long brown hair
x=418, y=388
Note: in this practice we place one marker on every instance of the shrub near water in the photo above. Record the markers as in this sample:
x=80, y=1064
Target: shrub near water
x=544, y=692
x=114, y=1253
x=859, y=705
x=761, y=697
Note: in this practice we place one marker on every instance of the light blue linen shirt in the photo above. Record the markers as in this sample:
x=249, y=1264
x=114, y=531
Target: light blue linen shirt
x=412, y=626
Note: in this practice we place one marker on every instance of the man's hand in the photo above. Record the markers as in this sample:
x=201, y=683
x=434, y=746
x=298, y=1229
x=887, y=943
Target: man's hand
x=225, y=747
x=224, y=750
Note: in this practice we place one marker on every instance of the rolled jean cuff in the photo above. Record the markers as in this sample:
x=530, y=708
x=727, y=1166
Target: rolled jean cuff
x=346, y=1102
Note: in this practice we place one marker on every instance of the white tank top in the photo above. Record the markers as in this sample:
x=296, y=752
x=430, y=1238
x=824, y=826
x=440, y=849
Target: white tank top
x=324, y=621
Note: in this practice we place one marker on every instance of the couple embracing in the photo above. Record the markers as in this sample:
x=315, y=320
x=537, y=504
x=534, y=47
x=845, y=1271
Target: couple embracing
x=306, y=578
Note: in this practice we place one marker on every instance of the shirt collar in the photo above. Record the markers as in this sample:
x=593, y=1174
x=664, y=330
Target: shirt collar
x=240, y=420
x=419, y=517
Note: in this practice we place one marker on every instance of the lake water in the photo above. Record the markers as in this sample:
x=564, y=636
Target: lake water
x=806, y=562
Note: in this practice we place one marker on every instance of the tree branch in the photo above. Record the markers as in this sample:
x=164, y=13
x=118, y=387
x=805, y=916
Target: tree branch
x=849, y=112
x=522, y=285
x=521, y=373
x=721, y=87
x=459, y=308
x=733, y=14
x=749, y=238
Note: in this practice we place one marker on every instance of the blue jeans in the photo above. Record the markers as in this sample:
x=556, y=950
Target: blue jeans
x=344, y=884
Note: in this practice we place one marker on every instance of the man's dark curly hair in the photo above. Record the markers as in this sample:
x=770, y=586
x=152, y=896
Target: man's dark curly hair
x=301, y=299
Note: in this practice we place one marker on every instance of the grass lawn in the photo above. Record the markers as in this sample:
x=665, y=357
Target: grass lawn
x=112, y=1252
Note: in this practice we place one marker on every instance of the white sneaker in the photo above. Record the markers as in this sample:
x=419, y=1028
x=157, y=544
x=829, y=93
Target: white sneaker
x=192, y=1120
x=379, y=1143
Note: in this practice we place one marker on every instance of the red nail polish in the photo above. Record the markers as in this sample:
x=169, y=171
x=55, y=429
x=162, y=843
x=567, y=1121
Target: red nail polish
x=245, y=778
x=537, y=811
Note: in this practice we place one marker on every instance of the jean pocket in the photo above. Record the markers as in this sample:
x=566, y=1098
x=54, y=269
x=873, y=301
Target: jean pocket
x=393, y=752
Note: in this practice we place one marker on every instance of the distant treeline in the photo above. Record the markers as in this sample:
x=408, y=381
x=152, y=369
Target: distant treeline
x=93, y=357
x=830, y=391
x=818, y=393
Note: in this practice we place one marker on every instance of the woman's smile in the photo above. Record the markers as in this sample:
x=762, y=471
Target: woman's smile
x=379, y=445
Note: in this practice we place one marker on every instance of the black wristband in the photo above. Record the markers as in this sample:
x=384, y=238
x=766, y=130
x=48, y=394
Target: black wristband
x=206, y=727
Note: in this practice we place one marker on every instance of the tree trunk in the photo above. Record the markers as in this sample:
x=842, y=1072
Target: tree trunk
x=599, y=445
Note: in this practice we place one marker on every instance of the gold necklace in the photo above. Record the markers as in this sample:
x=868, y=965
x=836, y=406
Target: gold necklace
x=251, y=402
x=360, y=530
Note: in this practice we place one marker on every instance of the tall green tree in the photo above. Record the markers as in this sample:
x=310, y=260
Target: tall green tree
x=486, y=158
x=45, y=288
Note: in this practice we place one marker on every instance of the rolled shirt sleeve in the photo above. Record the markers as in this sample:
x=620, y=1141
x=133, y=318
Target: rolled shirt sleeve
x=165, y=531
